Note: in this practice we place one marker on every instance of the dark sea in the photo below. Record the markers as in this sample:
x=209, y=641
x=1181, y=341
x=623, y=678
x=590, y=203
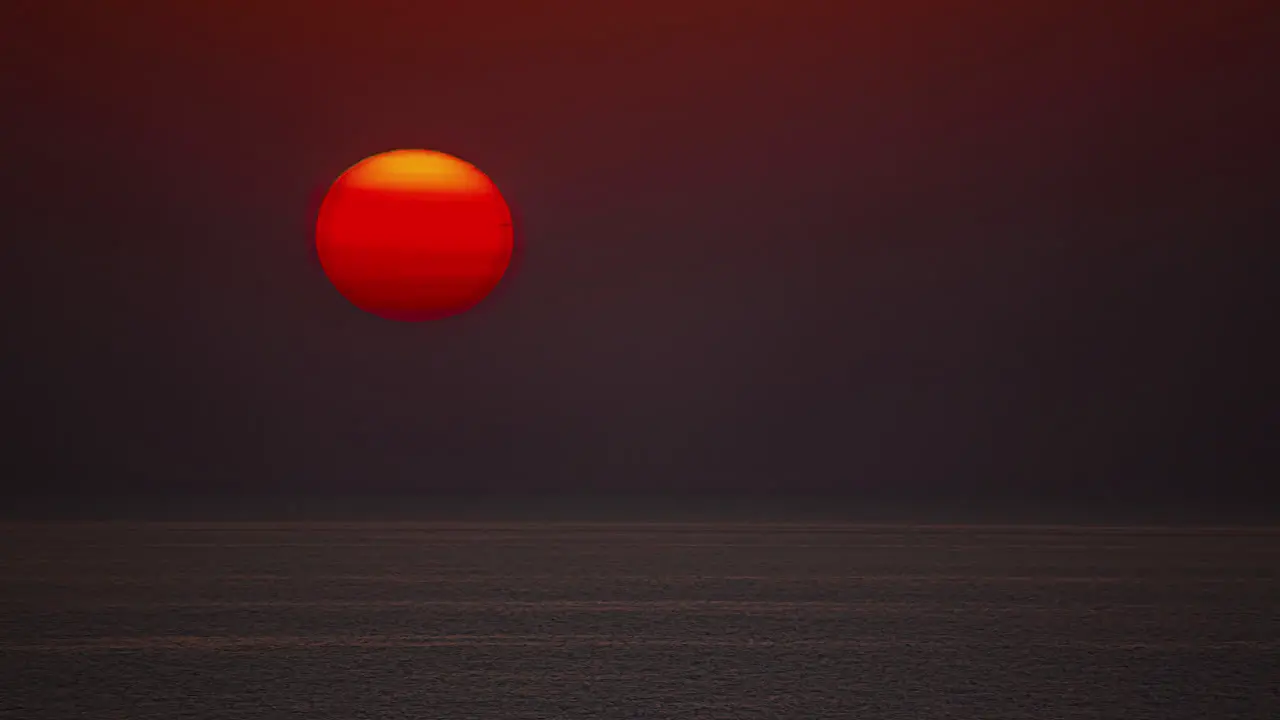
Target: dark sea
x=631, y=620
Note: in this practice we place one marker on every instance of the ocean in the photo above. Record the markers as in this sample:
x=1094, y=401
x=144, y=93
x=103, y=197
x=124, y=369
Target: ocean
x=516, y=620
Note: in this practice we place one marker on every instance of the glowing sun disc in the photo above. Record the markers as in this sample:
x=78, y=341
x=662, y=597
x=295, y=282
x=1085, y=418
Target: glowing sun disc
x=414, y=235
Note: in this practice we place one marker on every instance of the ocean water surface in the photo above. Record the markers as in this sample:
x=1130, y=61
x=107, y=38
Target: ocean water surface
x=631, y=620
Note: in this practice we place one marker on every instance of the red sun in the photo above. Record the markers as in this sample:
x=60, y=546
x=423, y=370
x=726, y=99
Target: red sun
x=414, y=235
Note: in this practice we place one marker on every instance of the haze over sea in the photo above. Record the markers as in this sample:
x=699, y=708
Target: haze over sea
x=726, y=619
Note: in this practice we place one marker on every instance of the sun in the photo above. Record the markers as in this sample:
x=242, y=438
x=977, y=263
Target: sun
x=414, y=235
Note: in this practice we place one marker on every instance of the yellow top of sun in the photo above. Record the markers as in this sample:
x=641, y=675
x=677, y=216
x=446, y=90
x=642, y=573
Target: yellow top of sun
x=415, y=170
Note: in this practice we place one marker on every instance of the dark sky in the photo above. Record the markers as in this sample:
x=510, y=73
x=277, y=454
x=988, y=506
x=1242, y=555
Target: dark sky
x=995, y=252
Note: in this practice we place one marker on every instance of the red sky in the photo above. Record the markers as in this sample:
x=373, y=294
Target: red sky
x=963, y=248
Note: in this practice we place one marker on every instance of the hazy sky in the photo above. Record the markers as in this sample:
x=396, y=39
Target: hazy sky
x=996, y=251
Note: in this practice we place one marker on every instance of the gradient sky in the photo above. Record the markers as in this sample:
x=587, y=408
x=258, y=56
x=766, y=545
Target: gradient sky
x=996, y=252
